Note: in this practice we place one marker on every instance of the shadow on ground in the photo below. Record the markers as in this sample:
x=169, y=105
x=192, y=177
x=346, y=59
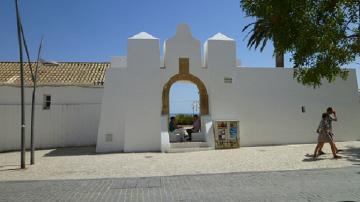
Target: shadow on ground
x=72, y=151
x=310, y=158
x=9, y=168
x=347, y=201
x=351, y=153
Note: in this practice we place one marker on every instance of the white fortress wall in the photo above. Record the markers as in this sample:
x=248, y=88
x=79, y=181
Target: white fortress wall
x=270, y=101
x=266, y=101
x=111, y=132
x=142, y=122
x=221, y=62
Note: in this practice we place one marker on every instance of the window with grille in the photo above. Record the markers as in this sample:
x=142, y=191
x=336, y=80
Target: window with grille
x=47, y=102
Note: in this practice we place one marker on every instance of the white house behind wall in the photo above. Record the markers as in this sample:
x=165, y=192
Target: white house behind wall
x=71, y=118
x=130, y=111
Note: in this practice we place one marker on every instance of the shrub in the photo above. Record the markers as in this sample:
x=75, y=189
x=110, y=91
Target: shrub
x=184, y=119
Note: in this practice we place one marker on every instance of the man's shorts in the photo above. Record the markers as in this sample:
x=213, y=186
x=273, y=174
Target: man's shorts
x=332, y=135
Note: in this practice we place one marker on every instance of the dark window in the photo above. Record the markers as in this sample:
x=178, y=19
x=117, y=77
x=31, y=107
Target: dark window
x=303, y=109
x=47, y=102
x=227, y=80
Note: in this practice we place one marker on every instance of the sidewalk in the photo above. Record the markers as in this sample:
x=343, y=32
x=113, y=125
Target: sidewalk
x=84, y=163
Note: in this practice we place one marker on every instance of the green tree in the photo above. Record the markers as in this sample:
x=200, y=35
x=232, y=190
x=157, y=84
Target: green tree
x=260, y=33
x=321, y=35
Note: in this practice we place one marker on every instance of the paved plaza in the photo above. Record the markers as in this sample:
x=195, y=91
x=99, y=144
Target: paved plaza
x=272, y=173
x=84, y=163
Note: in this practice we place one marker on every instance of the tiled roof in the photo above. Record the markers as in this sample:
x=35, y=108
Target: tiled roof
x=65, y=74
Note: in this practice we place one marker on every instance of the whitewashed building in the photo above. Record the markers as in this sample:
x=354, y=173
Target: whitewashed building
x=270, y=105
x=67, y=104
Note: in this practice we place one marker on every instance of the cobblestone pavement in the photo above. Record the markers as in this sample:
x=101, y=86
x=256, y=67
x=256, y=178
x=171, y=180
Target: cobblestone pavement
x=339, y=184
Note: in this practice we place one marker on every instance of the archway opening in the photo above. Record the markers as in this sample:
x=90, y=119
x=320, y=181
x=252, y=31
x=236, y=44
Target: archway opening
x=203, y=100
x=184, y=102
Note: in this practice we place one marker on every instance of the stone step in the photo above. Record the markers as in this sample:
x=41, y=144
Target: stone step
x=193, y=149
x=188, y=145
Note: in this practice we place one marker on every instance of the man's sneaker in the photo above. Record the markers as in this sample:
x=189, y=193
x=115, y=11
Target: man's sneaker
x=321, y=153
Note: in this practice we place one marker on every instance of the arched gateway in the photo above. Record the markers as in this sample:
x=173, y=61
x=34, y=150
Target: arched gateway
x=184, y=75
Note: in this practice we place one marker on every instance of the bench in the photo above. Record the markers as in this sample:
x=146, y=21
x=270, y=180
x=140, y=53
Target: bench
x=174, y=137
x=198, y=137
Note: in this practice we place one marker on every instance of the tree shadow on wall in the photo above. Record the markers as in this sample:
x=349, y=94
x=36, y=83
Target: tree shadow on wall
x=72, y=151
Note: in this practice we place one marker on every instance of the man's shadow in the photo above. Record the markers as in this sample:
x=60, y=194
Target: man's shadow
x=310, y=158
x=349, y=153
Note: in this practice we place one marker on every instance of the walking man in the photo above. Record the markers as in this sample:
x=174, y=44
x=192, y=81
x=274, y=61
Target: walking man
x=324, y=136
x=331, y=117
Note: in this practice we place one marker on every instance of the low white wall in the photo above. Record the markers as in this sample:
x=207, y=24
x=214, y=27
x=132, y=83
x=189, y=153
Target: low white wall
x=72, y=119
x=112, y=118
x=208, y=130
x=165, y=139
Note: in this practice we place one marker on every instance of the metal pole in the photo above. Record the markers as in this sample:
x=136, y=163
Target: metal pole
x=32, y=158
x=22, y=87
x=193, y=108
x=32, y=153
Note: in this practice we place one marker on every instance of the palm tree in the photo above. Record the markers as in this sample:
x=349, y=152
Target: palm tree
x=260, y=34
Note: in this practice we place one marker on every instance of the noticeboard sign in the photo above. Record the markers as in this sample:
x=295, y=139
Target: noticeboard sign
x=226, y=134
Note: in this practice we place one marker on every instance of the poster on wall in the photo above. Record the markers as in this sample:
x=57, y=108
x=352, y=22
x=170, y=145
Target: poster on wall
x=233, y=130
x=226, y=134
x=221, y=127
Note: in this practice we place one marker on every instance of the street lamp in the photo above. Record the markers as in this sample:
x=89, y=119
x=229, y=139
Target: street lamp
x=195, y=106
x=48, y=62
x=34, y=75
x=39, y=61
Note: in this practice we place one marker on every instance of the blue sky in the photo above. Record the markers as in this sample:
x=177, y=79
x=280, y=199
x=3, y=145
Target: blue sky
x=94, y=30
x=182, y=97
